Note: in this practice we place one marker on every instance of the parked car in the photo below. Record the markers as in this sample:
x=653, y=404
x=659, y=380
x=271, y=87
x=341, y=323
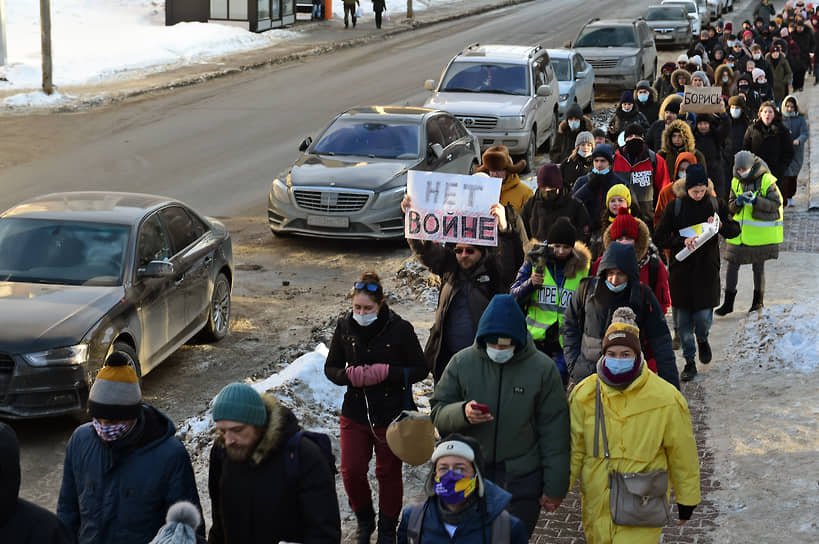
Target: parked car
x=622, y=51
x=670, y=24
x=698, y=21
x=716, y=7
x=349, y=182
x=575, y=77
x=86, y=274
x=505, y=94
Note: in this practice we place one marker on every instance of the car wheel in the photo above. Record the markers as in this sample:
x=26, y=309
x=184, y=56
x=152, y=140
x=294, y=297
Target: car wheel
x=219, y=316
x=130, y=354
x=590, y=107
x=531, y=151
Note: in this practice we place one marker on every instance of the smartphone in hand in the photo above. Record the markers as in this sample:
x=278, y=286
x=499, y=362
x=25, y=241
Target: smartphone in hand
x=482, y=408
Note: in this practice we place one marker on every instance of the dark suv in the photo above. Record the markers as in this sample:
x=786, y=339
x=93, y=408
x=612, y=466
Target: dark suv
x=622, y=51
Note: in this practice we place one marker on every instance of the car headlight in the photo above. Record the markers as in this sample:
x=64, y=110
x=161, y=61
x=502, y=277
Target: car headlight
x=280, y=192
x=564, y=97
x=512, y=122
x=391, y=198
x=71, y=355
x=628, y=62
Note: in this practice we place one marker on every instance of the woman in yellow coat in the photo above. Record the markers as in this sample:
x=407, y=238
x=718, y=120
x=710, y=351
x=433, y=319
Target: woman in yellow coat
x=648, y=428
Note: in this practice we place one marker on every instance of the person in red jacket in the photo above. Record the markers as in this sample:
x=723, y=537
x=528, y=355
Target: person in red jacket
x=640, y=169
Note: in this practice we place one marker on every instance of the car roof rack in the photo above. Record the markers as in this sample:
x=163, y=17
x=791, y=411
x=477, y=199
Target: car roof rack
x=535, y=49
x=469, y=47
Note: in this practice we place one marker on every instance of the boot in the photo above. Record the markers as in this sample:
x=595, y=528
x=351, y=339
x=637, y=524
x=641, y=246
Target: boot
x=757, y=303
x=704, y=349
x=366, y=525
x=386, y=529
x=689, y=371
x=675, y=342
x=727, y=306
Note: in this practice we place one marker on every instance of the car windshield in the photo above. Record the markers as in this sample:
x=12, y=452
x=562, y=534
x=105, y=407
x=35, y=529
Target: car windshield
x=690, y=7
x=62, y=252
x=561, y=67
x=386, y=139
x=612, y=36
x=472, y=77
x=669, y=13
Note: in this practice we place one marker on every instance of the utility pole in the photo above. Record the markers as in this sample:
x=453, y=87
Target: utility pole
x=45, y=41
x=409, y=9
x=2, y=32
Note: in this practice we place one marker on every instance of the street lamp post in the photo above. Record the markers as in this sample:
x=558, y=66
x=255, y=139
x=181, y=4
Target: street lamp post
x=45, y=41
x=409, y=9
x=3, y=32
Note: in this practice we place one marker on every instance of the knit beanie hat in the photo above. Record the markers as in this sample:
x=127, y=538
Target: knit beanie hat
x=673, y=106
x=668, y=67
x=181, y=522
x=115, y=394
x=603, y=150
x=737, y=101
x=562, y=232
x=584, y=137
x=574, y=112
x=462, y=446
x=240, y=402
x=682, y=58
x=624, y=225
x=703, y=76
x=627, y=97
x=747, y=35
x=619, y=189
x=757, y=73
x=729, y=26
x=643, y=85
x=696, y=59
x=695, y=175
x=743, y=160
x=549, y=177
x=599, y=133
x=623, y=330
x=635, y=129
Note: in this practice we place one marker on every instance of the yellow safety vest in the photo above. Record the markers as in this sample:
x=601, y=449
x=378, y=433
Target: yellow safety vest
x=756, y=232
x=548, y=303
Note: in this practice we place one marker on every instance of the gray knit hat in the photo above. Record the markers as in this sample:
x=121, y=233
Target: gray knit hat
x=743, y=160
x=584, y=137
x=703, y=76
x=182, y=520
x=240, y=402
x=115, y=394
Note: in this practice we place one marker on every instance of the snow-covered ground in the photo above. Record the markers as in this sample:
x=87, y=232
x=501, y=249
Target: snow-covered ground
x=94, y=41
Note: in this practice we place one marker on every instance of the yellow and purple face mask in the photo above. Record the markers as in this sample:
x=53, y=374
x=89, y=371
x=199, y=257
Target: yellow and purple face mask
x=453, y=487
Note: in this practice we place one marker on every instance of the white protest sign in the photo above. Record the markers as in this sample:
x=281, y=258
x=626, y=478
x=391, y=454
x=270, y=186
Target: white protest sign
x=702, y=100
x=452, y=208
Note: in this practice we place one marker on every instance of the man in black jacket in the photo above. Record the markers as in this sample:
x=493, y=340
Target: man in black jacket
x=22, y=522
x=584, y=324
x=255, y=498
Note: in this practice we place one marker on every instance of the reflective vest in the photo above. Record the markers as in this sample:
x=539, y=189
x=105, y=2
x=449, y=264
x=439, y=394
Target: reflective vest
x=548, y=303
x=756, y=232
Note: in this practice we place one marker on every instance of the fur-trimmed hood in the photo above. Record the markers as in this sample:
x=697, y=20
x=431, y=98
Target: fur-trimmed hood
x=281, y=424
x=679, y=72
x=666, y=101
x=578, y=261
x=640, y=245
x=652, y=94
x=795, y=102
x=585, y=124
x=722, y=69
x=689, y=142
x=679, y=190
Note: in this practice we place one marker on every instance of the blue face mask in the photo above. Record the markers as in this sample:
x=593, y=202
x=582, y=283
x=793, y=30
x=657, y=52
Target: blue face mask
x=574, y=125
x=500, y=356
x=616, y=288
x=453, y=487
x=642, y=97
x=619, y=366
x=600, y=172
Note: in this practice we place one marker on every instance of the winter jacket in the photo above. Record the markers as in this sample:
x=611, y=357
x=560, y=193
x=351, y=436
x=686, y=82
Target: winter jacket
x=667, y=194
x=472, y=521
x=591, y=191
x=22, y=522
x=539, y=215
x=650, y=108
x=514, y=192
x=764, y=10
x=806, y=44
x=654, y=136
x=582, y=347
x=675, y=75
x=644, y=175
x=768, y=207
x=256, y=502
x=773, y=144
x=695, y=282
x=799, y=131
x=620, y=120
x=493, y=274
x=530, y=431
x=120, y=491
x=573, y=168
x=670, y=153
x=389, y=340
x=711, y=144
x=782, y=73
x=663, y=88
x=564, y=143
x=648, y=426
x=723, y=70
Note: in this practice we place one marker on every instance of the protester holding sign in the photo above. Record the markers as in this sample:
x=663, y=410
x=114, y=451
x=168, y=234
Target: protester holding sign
x=702, y=99
x=497, y=162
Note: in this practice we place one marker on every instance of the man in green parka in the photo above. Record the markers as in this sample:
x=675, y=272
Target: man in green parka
x=508, y=395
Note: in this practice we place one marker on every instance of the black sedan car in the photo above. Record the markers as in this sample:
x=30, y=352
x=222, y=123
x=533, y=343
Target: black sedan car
x=86, y=274
x=350, y=181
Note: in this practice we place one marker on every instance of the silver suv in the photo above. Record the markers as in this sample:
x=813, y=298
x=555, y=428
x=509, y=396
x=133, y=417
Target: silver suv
x=622, y=51
x=504, y=94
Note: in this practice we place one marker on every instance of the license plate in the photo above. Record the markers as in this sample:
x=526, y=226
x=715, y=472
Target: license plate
x=332, y=221
x=663, y=36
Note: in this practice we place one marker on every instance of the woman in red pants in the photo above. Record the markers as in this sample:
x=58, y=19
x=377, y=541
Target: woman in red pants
x=376, y=354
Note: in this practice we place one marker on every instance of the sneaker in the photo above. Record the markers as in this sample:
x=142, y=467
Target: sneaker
x=689, y=371
x=675, y=342
x=704, y=349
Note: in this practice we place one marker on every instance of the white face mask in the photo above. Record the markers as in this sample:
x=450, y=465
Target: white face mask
x=757, y=56
x=365, y=320
x=736, y=113
x=500, y=356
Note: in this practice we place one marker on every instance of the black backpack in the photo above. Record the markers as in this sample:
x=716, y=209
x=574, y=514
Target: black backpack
x=292, y=463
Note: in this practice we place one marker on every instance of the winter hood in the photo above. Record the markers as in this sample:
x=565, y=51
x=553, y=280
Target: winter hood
x=795, y=102
x=688, y=137
x=680, y=72
x=684, y=156
x=9, y=472
x=585, y=124
x=621, y=257
x=666, y=101
x=502, y=317
x=679, y=190
x=718, y=73
x=640, y=245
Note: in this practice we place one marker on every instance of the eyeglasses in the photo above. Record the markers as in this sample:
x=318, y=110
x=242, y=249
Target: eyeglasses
x=361, y=285
x=465, y=250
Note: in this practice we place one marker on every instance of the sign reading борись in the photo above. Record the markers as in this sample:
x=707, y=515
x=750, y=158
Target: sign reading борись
x=702, y=100
x=452, y=208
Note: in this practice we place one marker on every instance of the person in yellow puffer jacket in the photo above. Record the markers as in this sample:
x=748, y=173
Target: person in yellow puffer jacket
x=648, y=427
x=498, y=164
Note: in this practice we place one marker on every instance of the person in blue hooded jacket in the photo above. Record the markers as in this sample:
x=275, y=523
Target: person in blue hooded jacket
x=462, y=506
x=616, y=284
x=126, y=468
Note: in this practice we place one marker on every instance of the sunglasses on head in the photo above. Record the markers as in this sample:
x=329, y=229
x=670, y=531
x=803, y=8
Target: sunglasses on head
x=465, y=250
x=371, y=287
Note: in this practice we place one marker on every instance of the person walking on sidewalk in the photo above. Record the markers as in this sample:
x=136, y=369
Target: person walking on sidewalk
x=796, y=123
x=376, y=355
x=694, y=281
x=379, y=6
x=645, y=425
x=350, y=10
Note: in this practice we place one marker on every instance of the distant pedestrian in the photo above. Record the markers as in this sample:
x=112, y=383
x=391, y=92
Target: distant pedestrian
x=23, y=522
x=376, y=355
x=180, y=528
x=350, y=10
x=769, y=139
x=379, y=6
x=125, y=469
x=579, y=162
x=552, y=201
x=568, y=131
x=793, y=118
x=626, y=114
x=267, y=483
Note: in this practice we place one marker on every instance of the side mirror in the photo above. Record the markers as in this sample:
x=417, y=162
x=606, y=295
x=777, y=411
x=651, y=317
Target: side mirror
x=305, y=144
x=567, y=45
x=429, y=84
x=156, y=269
x=648, y=43
x=581, y=75
x=544, y=90
x=437, y=150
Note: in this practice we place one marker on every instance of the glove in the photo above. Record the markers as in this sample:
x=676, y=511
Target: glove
x=740, y=200
x=751, y=200
x=356, y=375
x=367, y=375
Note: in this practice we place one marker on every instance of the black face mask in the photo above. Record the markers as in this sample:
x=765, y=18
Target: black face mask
x=634, y=147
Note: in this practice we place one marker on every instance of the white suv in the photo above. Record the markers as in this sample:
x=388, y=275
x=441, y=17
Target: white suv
x=504, y=94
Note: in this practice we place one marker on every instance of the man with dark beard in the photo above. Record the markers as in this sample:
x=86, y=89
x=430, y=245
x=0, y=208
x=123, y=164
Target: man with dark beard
x=255, y=498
